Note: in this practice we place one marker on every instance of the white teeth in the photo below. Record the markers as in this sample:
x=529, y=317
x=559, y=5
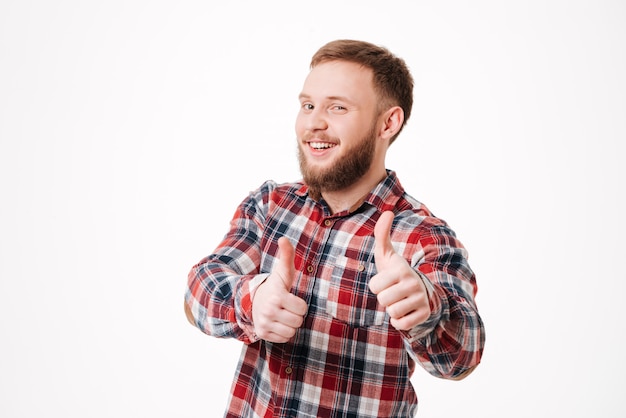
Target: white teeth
x=321, y=145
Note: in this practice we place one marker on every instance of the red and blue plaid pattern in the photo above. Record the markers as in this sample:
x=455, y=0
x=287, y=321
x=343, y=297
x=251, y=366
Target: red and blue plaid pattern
x=346, y=360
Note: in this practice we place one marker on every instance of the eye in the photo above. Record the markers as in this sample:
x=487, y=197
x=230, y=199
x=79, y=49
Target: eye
x=338, y=109
x=307, y=106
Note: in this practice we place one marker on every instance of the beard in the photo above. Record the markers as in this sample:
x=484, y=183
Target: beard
x=347, y=170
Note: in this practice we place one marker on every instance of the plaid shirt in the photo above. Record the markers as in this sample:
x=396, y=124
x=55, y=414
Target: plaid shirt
x=346, y=360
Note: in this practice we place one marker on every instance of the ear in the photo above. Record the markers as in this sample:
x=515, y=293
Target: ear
x=392, y=120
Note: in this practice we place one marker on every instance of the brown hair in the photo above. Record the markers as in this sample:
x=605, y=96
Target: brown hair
x=392, y=79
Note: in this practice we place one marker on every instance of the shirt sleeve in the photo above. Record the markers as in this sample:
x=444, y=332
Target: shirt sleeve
x=222, y=285
x=451, y=340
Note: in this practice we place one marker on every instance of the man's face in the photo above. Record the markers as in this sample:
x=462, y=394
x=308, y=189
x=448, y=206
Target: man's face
x=336, y=125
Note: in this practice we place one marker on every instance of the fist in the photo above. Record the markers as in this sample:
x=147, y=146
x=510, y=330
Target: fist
x=397, y=286
x=276, y=312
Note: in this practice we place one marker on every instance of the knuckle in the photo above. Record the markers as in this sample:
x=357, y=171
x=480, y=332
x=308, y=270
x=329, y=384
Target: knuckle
x=261, y=333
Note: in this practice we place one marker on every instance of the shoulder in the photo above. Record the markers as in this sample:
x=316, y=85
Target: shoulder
x=273, y=188
x=271, y=192
x=415, y=221
x=412, y=210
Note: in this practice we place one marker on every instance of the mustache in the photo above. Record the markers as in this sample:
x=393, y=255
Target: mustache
x=308, y=136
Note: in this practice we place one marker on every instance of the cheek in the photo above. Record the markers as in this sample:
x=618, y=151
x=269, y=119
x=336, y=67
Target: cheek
x=299, y=125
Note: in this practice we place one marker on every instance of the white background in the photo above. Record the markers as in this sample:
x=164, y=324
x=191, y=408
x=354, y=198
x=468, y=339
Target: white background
x=130, y=130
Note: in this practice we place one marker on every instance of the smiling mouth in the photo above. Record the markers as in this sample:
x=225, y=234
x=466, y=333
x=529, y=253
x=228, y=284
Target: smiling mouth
x=321, y=145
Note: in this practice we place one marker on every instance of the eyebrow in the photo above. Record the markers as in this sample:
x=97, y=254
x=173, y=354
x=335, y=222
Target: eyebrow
x=331, y=98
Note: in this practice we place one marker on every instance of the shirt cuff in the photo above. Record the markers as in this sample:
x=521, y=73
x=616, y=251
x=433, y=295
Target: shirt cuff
x=243, y=304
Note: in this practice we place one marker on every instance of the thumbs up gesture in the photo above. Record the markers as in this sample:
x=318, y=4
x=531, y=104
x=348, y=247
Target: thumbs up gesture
x=397, y=286
x=276, y=312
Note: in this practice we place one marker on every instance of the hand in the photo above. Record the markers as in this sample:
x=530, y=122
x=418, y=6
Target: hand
x=397, y=286
x=276, y=312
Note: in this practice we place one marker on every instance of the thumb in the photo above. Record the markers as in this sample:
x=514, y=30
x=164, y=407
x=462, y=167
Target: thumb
x=286, y=254
x=382, y=236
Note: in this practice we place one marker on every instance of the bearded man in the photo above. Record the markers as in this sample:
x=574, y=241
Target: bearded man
x=339, y=284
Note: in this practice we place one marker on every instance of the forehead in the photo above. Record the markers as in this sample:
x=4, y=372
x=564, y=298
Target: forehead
x=339, y=78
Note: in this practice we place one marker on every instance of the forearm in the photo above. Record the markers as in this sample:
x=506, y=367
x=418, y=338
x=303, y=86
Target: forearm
x=221, y=286
x=450, y=343
x=218, y=300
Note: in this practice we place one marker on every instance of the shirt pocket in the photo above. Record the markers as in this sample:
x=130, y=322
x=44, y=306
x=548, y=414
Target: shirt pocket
x=349, y=298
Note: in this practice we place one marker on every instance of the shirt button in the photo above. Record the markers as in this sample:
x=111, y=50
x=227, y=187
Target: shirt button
x=309, y=268
x=288, y=370
x=361, y=267
x=328, y=222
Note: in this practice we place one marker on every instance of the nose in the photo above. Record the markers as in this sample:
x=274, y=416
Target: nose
x=315, y=120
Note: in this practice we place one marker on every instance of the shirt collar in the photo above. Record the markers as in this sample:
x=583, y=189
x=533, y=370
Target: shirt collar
x=386, y=193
